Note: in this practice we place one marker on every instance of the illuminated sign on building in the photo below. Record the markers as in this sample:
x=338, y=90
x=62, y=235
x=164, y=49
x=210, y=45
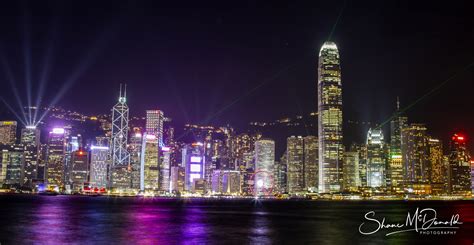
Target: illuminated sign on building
x=195, y=159
x=58, y=131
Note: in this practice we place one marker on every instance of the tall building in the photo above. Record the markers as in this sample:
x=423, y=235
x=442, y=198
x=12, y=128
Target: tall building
x=351, y=171
x=120, y=157
x=264, y=163
x=376, y=158
x=331, y=148
x=149, y=167
x=99, y=167
x=55, y=163
x=226, y=182
x=135, y=149
x=79, y=169
x=154, y=124
x=459, y=167
x=15, y=162
x=193, y=158
x=30, y=139
x=439, y=173
x=8, y=132
x=416, y=165
x=295, y=164
x=311, y=163
x=395, y=166
x=302, y=160
x=165, y=168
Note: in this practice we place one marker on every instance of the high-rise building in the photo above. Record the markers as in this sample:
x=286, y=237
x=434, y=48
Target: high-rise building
x=165, y=165
x=135, y=149
x=154, y=124
x=472, y=176
x=439, y=173
x=55, y=163
x=30, y=139
x=331, y=148
x=177, y=179
x=79, y=169
x=311, y=163
x=15, y=162
x=416, y=165
x=120, y=176
x=99, y=167
x=376, y=158
x=459, y=167
x=295, y=164
x=149, y=167
x=395, y=166
x=351, y=171
x=193, y=158
x=302, y=160
x=264, y=163
x=8, y=132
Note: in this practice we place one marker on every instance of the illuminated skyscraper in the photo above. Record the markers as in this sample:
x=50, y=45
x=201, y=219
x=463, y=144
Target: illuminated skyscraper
x=295, y=164
x=193, y=158
x=264, y=163
x=154, y=124
x=416, y=165
x=135, y=149
x=14, y=163
x=351, y=171
x=331, y=149
x=165, y=168
x=376, y=158
x=7, y=132
x=459, y=167
x=79, y=169
x=120, y=156
x=439, y=173
x=395, y=166
x=149, y=169
x=55, y=163
x=100, y=164
x=311, y=163
x=302, y=158
x=30, y=137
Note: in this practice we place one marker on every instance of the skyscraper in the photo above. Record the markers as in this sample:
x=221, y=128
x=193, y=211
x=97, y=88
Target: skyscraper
x=193, y=158
x=351, y=171
x=154, y=124
x=439, y=173
x=395, y=166
x=331, y=149
x=30, y=137
x=295, y=164
x=120, y=156
x=7, y=132
x=55, y=163
x=149, y=169
x=416, y=165
x=311, y=163
x=79, y=169
x=376, y=158
x=459, y=167
x=264, y=163
x=99, y=168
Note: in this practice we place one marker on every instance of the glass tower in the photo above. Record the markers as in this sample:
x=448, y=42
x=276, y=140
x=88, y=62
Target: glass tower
x=331, y=149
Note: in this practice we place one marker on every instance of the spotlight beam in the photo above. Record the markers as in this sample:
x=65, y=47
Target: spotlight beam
x=27, y=61
x=12, y=82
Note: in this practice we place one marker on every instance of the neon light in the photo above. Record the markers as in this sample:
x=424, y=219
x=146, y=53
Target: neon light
x=150, y=137
x=195, y=167
x=30, y=127
x=138, y=135
x=194, y=176
x=99, y=147
x=197, y=144
x=195, y=159
x=165, y=148
x=396, y=157
x=460, y=138
x=58, y=131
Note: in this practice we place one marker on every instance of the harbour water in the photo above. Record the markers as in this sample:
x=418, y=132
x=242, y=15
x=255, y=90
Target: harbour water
x=26, y=219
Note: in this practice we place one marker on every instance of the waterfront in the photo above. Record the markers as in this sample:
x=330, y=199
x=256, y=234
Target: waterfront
x=87, y=220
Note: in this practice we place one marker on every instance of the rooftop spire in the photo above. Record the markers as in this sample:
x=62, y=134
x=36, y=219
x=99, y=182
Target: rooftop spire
x=398, y=103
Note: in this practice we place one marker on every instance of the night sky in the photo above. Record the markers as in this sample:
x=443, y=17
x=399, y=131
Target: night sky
x=238, y=62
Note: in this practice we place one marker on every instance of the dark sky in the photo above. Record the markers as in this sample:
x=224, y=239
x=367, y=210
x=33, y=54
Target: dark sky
x=193, y=60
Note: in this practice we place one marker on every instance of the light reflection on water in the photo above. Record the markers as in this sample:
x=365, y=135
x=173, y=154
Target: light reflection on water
x=75, y=219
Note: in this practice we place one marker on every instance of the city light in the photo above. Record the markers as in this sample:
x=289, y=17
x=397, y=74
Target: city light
x=58, y=131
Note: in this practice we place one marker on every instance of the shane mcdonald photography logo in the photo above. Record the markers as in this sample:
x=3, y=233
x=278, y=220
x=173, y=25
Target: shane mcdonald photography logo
x=423, y=222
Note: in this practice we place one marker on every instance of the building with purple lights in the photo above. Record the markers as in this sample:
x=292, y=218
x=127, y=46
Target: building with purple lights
x=193, y=159
x=56, y=150
x=99, y=167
